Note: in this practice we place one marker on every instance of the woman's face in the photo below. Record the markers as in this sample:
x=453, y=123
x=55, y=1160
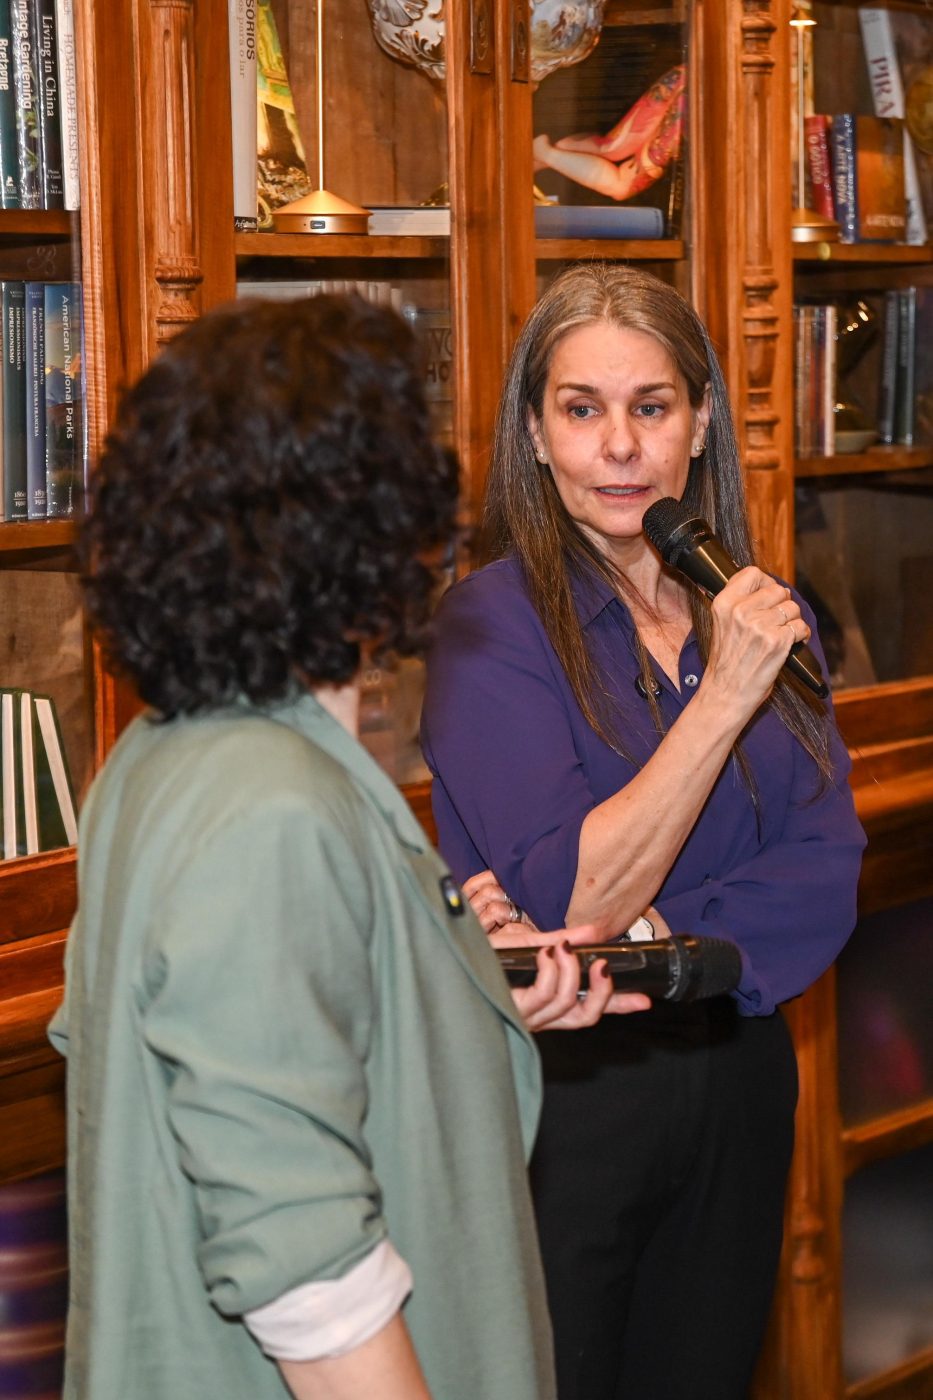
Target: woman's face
x=617, y=430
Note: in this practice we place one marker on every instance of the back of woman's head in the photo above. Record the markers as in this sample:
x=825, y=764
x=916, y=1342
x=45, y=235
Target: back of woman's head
x=521, y=494
x=261, y=503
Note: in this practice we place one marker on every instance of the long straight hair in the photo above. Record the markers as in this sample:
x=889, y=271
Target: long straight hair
x=524, y=513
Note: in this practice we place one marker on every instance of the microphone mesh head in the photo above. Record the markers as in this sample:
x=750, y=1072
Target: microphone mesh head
x=662, y=519
x=720, y=967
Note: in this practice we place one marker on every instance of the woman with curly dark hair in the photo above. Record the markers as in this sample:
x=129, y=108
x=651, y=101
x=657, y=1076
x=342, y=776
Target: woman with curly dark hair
x=296, y=1079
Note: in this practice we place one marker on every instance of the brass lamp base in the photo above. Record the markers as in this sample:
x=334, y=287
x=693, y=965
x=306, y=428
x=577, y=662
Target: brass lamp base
x=320, y=212
x=807, y=226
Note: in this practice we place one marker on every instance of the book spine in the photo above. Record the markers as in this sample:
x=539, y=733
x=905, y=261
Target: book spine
x=888, y=383
x=842, y=132
x=9, y=160
x=28, y=150
x=27, y=757
x=63, y=399
x=35, y=401
x=887, y=92
x=49, y=86
x=68, y=85
x=829, y=383
x=242, y=24
x=54, y=748
x=9, y=776
x=906, y=352
x=816, y=129
x=13, y=301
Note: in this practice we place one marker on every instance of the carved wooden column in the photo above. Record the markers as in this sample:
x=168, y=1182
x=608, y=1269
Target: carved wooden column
x=744, y=285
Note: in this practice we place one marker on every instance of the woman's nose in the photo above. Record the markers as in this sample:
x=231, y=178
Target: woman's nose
x=621, y=440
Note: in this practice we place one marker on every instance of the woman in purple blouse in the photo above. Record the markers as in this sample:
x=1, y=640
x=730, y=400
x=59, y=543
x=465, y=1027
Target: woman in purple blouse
x=610, y=744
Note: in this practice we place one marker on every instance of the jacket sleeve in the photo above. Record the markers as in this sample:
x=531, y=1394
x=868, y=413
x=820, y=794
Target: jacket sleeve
x=257, y=1000
x=509, y=792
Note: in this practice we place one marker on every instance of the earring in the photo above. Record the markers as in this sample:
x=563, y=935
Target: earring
x=698, y=446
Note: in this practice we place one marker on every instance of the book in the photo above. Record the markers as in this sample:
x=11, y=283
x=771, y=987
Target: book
x=898, y=50
x=923, y=368
x=887, y=386
x=8, y=774
x=55, y=799
x=35, y=401
x=68, y=80
x=23, y=740
x=13, y=304
x=429, y=219
x=28, y=151
x=9, y=160
x=49, y=100
x=64, y=406
x=819, y=165
x=845, y=188
x=282, y=169
x=598, y=221
x=904, y=405
x=241, y=18
x=879, y=159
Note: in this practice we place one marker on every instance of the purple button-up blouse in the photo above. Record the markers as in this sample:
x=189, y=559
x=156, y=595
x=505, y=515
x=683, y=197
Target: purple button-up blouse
x=517, y=768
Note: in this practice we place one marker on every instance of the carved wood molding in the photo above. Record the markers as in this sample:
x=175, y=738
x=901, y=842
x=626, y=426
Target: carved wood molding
x=170, y=157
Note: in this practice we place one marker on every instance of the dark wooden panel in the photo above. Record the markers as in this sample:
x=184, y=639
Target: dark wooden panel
x=37, y=895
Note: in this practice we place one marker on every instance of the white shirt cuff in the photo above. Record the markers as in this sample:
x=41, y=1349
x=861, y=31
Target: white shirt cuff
x=329, y=1318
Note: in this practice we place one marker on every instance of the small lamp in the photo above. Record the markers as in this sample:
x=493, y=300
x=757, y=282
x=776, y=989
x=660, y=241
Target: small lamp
x=807, y=225
x=320, y=211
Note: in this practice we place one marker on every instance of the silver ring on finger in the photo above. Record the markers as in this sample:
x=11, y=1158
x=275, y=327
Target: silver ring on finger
x=515, y=912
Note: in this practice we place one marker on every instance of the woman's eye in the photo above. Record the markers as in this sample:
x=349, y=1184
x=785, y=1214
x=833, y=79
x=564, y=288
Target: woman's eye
x=651, y=410
x=581, y=410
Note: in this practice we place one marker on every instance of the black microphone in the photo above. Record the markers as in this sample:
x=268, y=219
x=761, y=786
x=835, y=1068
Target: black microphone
x=682, y=968
x=687, y=543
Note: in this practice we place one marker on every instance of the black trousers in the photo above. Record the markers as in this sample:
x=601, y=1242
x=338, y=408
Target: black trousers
x=659, y=1177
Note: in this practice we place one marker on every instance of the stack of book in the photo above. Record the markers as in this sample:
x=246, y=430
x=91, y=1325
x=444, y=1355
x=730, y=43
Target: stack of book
x=855, y=165
x=42, y=419
x=905, y=407
x=38, y=808
x=38, y=105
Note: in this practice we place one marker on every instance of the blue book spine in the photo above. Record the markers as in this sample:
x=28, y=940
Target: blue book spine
x=35, y=401
x=64, y=431
x=25, y=88
x=845, y=190
x=9, y=161
x=13, y=301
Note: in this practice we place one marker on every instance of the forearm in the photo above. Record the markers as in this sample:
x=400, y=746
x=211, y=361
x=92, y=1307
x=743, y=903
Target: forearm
x=383, y=1368
x=629, y=842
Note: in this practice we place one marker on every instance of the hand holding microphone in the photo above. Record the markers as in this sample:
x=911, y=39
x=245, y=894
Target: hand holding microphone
x=687, y=543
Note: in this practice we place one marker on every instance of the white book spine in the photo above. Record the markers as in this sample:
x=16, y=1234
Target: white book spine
x=8, y=749
x=68, y=80
x=887, y=91
x=53, y=750
x=243, y=99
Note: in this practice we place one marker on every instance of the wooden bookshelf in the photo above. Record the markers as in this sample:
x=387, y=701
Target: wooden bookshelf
x=339, y=245
x=36, y=224
x=587, y=249
x=875, y=459
x=867, y=254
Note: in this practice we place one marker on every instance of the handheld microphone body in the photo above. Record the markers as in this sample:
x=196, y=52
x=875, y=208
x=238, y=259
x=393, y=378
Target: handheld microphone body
x=682, y=968
x=687, y=543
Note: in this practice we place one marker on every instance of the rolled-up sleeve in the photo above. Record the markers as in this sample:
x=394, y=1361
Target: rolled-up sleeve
x=258, y=1003
x=792, y=905
x=510, y=792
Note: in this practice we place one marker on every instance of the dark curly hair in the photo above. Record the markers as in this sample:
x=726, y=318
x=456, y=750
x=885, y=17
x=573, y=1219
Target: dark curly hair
x=262, y=503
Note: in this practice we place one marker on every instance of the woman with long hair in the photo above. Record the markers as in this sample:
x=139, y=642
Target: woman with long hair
x=610, y=746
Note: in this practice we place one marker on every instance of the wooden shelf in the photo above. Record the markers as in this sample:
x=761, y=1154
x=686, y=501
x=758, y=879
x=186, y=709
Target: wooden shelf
x=876, y=459
x=339, y=245
x=36, y=223
x=866, y=253
x=579, y=249
x=888, y=1136
x=37, y=894
x=19, y=535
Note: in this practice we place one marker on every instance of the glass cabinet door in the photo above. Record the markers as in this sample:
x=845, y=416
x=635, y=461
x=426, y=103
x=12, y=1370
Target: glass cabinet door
x=352, y=111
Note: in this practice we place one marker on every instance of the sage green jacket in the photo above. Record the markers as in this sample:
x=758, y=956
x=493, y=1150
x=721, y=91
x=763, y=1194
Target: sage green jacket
x=283, y=1045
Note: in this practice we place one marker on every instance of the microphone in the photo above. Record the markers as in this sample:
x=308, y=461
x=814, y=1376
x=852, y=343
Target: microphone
x=682, y=968
x=687, y=543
